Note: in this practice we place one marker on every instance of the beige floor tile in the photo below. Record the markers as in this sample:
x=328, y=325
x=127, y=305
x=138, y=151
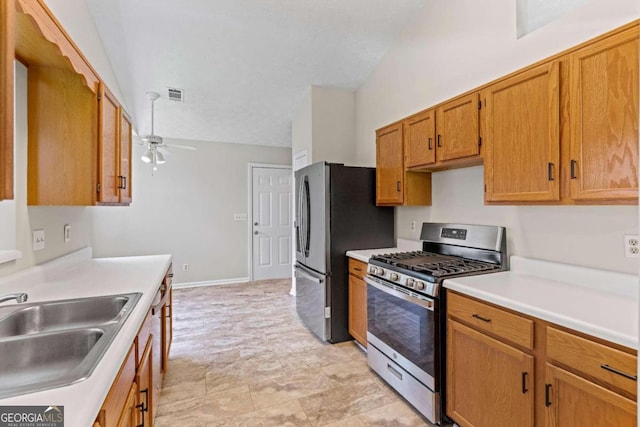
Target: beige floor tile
x=397, y=414
x=241, y=357
x=288, y=414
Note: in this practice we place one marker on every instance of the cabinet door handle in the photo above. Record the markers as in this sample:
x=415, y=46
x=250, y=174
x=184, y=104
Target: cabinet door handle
x=524, y=383
x=119, y=186
x=141, y=407
x=484, y=319
x=616, y=371
x=550, y=171
x=573, y=169
x=124, y=182
x=145, y=406
x=398, y=186
x=439, y=140
x=430, y=143
x=547, y=395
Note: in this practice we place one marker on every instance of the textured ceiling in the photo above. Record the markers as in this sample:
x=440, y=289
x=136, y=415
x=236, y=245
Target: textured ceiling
x=245, y=65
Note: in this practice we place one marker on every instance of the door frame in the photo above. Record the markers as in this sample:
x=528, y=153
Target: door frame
x=250, y=168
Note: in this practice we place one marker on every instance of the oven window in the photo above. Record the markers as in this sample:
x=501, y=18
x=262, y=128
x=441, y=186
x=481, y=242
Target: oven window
x=406, y=327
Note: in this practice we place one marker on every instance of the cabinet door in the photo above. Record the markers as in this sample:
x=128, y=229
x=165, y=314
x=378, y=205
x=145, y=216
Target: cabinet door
x=167, y=330
x=523, y=146
x=358, y=309
x=144, y=378
x=574, y=401
x=130, y=413
x=458, y=132
x=389, y=166
x=604, y=117
x=489, y=383
x=108, y=147
x=419, y=136
x=124, y=158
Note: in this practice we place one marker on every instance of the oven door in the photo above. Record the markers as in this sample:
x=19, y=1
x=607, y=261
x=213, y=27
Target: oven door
x=402, y=325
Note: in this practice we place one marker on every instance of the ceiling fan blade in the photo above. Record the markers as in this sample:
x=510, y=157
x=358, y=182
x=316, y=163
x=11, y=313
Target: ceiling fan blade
x=185, y=147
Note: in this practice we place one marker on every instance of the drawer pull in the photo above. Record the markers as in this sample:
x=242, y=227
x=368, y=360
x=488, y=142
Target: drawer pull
x=394, y=372
x=547, y=397
x=524, y=383
x=477, y=316
x=623, y=374
x=357, y=269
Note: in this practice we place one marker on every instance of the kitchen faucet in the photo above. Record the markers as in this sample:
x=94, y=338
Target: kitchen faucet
x=19, y=297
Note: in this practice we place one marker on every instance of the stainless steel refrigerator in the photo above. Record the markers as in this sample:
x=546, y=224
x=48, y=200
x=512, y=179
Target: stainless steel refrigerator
x=335, y=213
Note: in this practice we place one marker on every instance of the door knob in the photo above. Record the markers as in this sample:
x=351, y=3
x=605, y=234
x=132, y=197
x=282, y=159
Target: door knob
x=255, y=223
x=255, y=232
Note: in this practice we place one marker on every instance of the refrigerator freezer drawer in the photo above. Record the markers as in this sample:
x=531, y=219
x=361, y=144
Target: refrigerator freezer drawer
x=312, y=302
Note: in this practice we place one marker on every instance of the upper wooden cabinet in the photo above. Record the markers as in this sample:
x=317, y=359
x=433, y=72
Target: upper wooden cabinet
x=394, y=184
x=458, y=135
x=420, y=137
x=604, y=119
x=445, y=137
x=7, y=53
x=114, y=151
x=522, y=156
x=79, y=151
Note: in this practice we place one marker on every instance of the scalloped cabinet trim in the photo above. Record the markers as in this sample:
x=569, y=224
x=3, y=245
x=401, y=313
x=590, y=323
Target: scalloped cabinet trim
x=34, y=21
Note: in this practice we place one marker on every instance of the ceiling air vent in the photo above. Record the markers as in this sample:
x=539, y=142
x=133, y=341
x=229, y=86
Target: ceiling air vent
x=175, y=94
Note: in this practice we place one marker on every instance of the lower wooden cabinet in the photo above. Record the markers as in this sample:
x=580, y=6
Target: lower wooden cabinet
x=575, y=401
x=144, y=378
x=358, y=301
x=130, y=413
x=489, y=383
x=564, y=379
x=115, y=404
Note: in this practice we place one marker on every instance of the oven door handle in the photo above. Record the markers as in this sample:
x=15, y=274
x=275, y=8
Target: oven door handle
x=428, y=304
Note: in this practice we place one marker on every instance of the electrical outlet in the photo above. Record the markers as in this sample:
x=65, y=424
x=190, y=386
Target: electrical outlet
x=632, y=246
x=67, y=233
x=38, y=239
x=185, y=267
x=412, y=226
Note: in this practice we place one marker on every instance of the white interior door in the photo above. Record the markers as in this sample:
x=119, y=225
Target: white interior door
x=272, y=222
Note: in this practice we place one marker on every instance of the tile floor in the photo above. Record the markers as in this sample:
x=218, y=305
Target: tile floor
x=241, y=357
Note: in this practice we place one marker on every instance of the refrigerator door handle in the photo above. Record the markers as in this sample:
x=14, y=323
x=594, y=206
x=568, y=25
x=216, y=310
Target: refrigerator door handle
x=299, y=223
x=307, y=223
x=301, y=273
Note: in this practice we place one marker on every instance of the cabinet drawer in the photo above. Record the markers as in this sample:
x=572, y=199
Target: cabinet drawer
x=357, y=268
x=511, y=327
x=593, y=359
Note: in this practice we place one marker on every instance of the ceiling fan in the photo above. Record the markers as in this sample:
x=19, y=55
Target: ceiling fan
x=154, y=143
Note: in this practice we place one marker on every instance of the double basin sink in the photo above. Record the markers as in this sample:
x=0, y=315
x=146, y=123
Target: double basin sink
x=57, y=343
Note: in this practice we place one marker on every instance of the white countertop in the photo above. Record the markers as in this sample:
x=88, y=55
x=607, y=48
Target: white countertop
x=402, y=245
x=75, y=276
x=600, y=303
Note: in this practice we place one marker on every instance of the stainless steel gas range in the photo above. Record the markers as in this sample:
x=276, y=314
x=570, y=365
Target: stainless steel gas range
x=406, y=307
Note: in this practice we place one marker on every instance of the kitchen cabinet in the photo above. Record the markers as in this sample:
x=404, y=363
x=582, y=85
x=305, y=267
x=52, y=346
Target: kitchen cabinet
x=420, y=137
x=497, y=374
x=129, y=416
x=458, y=131
x=117, y=406
x=167, y=320
x=358, y=301
x=395, y=186
x=7, y=77
x=144, y=378
x=489, y=381
x=522, y=156
x=114, y=150
x=604, y=119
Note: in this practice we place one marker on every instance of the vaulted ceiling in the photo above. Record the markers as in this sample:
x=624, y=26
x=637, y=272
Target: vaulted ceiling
x=245, y=65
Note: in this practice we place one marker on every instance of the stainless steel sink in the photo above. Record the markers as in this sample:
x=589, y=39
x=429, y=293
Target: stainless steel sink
x=57, y=343
x=76, y=313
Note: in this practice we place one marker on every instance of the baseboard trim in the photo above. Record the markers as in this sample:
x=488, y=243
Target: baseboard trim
x=210, y=283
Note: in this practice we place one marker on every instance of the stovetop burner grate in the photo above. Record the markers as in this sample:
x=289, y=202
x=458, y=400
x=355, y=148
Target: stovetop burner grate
x=433, y=264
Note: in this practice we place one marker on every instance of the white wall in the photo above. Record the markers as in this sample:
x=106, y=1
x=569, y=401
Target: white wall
x=454, y=46
x=324, y=126
x=186, y=209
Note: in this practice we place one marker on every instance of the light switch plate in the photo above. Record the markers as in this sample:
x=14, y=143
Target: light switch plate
x=67, y=233
x=240, y=217
x=38, y=239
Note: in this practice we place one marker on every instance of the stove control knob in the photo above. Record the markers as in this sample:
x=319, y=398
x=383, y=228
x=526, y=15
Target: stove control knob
x=372, y=269
x=394, y=276
x=380, y=271
x=420, y=285
x=410, y=282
